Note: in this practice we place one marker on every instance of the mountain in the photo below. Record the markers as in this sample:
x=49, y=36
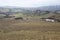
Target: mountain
x=36, y=10
x=43, y=12
x=45, y=8
x=49, y=8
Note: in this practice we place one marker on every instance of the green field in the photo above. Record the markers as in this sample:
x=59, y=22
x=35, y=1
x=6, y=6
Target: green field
x=11, y=29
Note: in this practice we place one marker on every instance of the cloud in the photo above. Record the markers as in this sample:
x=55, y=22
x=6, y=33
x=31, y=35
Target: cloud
x=29, y=3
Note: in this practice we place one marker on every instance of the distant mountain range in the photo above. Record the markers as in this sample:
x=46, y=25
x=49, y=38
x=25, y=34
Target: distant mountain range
x=43, y=11
x=45, y=8
x=50, y=8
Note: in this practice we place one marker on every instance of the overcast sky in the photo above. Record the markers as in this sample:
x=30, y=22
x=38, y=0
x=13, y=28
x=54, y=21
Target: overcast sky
x=29, y=3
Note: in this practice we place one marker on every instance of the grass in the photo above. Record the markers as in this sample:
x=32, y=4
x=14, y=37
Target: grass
x=47, y=15
x=18, y=15
x=11, y=29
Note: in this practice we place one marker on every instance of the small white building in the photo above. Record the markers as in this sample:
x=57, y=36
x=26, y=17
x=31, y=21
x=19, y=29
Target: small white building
x=48, y=19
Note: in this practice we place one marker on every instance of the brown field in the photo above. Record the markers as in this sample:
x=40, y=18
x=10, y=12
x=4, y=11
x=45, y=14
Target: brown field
x=11, y=29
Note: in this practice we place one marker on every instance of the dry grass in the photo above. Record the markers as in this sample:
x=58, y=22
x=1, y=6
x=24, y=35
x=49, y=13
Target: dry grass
x=11, y=29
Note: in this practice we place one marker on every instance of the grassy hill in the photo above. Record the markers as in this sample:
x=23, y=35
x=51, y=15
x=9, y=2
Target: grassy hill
x=47, y=15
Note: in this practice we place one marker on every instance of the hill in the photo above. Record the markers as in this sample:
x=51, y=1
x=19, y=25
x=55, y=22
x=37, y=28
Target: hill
x=50, y=8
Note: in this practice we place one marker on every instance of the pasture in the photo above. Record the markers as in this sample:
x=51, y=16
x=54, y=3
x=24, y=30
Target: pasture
x=11, y=29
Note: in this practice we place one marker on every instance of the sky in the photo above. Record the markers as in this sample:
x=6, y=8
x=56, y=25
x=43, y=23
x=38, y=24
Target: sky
x=29, y=3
